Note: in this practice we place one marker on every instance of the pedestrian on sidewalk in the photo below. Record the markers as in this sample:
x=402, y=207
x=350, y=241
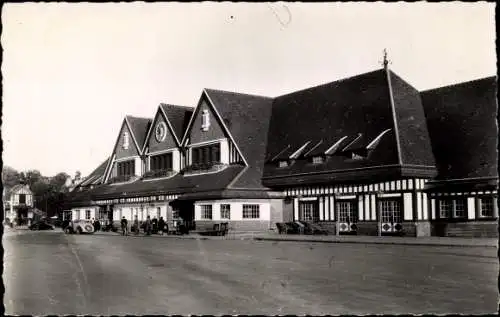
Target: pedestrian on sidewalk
x=155, y=225
x=97, y=225
x=161, y=225
x=136, y=225
x=124, y=224
x=147, y=226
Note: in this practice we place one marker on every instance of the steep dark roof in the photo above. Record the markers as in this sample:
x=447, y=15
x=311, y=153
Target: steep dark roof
x=358, y=108
x=462, y=121
x=177, y=184
x=247, y=118
x=328, y=112
x=179, y=118
x=95, y=175
x=139, y=127
x=415, y=143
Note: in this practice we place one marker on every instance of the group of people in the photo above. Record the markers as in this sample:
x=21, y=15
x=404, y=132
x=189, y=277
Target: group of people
x=150, y=226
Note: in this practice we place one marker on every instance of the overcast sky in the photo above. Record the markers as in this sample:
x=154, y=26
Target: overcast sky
x=71, y=72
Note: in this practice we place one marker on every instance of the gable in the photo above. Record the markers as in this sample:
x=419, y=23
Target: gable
x=158, y=142
x=119, y=150
x=139, y=128
x=20, y=189
x=214, y=131
x=178, y=117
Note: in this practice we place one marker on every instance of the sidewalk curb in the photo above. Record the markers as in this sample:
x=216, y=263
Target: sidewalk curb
x=271, y=239
x=378, y=242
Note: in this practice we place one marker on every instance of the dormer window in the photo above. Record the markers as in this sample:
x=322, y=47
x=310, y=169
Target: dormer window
x=126, y=140
x=205, y=120
x=318, y=159
x=282, y=164
x=355, y=156
x=332, y=149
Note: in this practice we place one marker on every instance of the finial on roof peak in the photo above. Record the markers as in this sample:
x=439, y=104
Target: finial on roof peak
x=385, y=61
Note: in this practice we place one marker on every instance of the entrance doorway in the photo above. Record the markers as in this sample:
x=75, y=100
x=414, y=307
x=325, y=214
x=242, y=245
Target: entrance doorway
x=184, y=210
x=390, y=216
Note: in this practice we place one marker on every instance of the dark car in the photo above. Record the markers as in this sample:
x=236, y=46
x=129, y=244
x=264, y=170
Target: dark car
x=41, y=225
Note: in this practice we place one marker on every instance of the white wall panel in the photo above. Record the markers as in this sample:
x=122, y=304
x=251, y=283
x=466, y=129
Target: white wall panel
x=419, y=206
x=373, y=207
x=408, y=206
x=361, y=212
x=425, y=210
x=471, y=208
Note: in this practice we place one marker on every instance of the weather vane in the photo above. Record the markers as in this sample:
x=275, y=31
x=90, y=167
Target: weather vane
x=385, y=62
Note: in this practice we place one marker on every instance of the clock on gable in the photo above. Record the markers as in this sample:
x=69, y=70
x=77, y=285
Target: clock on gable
x=161, y=131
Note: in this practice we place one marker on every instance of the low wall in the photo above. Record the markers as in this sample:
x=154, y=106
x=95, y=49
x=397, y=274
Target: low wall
x=235, y=225
x=367, y=228
x=330, y=226
x=470, y=229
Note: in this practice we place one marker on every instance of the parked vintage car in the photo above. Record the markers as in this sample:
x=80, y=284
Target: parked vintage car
x=41, y=225
x=79, y=226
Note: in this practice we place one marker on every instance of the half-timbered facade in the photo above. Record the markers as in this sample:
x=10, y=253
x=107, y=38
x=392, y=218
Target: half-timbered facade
x=366, y=155
x=19, y=203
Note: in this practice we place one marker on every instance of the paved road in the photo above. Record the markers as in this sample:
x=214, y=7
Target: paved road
x=52, y=273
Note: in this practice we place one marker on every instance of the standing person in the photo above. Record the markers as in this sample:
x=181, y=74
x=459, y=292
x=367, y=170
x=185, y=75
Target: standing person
x=155, y=225
x=97, y=225
x=161, y=226
x=124, y=224
x=148, y=226
x=136, y=225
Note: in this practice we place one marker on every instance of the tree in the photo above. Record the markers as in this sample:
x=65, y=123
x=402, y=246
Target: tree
x=59, y=182
x=10, y=177
x=33, y=177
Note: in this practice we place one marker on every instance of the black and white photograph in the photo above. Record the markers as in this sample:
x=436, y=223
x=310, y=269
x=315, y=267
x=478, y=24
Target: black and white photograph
x=225, y=158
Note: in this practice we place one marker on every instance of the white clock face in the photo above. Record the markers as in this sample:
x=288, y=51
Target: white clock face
x=161, y=131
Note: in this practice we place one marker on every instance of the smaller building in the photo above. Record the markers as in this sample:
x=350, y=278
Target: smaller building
x=19, y=204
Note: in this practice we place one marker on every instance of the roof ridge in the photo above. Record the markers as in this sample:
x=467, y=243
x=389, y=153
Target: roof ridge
x=332, y=82
x=463, y=83
x=134, y=117
x=172, y=105
x=237, y=93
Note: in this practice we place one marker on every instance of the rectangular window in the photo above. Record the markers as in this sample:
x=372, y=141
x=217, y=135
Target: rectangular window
x=347, y=211
x=22, y=198
x=126, y=168
x=283, y=163
x=390, y=211
x=209, y=154
x=459, y=208
x=449, y=208
x=317, y=160
x=162, y=162
x=158, y=212
x=87, y=214
x=486, y=207
x=225, y=211
x=206, y=212
x=308, y=211
x=445, y=207
x=251, y=211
